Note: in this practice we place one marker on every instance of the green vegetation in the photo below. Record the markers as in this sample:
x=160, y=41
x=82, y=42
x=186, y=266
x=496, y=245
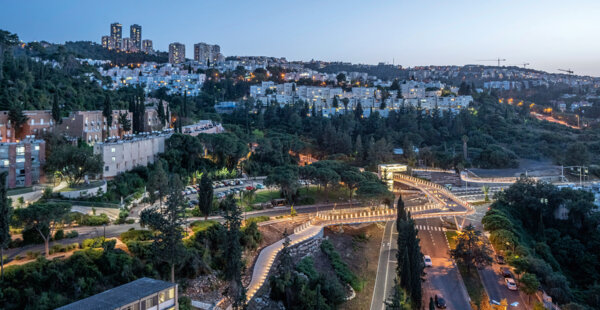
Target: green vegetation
x=473, y=284
x=257, y=219
x=407, y=284
x=136, y=235
x=451, y=235
x=470, y=249
x=340, y=267
x=551, y=234
x=199, y=226
x=302, y=286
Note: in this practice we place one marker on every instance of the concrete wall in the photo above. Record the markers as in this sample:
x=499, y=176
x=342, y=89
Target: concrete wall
x=84, y=192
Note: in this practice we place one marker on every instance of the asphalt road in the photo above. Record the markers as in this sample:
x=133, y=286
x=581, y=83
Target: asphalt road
x=496, y=288
x=386, y=268
x=443, y=278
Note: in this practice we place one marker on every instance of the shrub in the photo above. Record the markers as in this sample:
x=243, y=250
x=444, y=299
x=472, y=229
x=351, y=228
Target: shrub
x=32, y=254
x=18, y=257
x=198, y=226
x=94, y=220
x=59, y=234
x=92, y=243
x=140, y=249
x=72, y=234
x=257, y=219
x=32, y=236
x=129, y=221
x=136, y=235
x=339, y=266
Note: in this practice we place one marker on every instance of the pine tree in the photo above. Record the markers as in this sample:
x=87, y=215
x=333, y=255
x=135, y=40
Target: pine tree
x=233, y=252
x=5, y=216
x=56, y=110
x=205, y=195
x=161, y=113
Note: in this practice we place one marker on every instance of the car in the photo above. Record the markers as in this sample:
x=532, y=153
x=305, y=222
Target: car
x=511, y=284
x=500, y=259
x=506, y=272
x=260, y=186
x=239, y=182
x=249, y=188
x=194, y=202
x=440, y=302
x=427, y=260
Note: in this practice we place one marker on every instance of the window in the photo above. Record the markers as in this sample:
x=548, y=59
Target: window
x=171, y=293
x=112, y=150
x=150, y=302
x=20, y=150
x=37, y=147
x=42, y=121
x=106, y=168
x=5, y=163
x=20, y=159
x=114, y=159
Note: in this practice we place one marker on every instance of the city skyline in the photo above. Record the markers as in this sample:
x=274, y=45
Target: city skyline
x=403, y=33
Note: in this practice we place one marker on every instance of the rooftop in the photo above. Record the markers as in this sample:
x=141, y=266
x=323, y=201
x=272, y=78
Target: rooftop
x=120, y=295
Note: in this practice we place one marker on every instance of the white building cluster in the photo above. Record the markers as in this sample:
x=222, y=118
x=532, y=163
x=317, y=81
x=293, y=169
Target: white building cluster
x=152, y=76
x=426, y=95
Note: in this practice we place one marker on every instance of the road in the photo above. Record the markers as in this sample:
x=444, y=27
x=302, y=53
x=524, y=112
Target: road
x=496, y=288
x=443, y=278
x=386, y=268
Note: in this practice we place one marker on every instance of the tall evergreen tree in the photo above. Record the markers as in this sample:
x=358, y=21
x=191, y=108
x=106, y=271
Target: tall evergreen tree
x=161, y=113
x=233, y=252
x=205, y=195
x=107, y=113
x=56, y=110
x=168, y=225
x=5, y=216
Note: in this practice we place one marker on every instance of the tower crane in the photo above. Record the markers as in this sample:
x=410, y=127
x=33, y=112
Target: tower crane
x=569, y=71
x=497, y=59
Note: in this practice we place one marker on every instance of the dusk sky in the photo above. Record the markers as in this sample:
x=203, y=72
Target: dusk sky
x=547, y=34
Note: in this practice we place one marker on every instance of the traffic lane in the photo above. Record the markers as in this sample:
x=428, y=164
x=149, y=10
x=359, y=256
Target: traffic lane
x=379, y=290
x=433, y=243
x=443, y=280
x=496, y=288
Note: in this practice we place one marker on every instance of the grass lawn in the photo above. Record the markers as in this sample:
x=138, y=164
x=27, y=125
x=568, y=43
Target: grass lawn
x=473, y=283
x=451, y=236
x=266, y=196
x=198, y=226
x=19, y=191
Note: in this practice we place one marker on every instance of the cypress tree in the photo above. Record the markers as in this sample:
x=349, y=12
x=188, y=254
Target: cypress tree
x=5, y=216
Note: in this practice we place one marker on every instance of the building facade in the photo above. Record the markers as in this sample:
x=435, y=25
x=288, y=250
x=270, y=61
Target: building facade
x=206, y=53
x=127, y=45
x=108, y=42
x=91, y=125
x=38, y=122
x=141, y=294
x=125, y=154
x=116, y=32
x=24, y=161
x=176, y=53
x=147, y=46
x=135, y=34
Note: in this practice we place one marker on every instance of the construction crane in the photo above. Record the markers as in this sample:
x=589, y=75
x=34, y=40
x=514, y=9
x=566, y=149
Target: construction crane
x=523, y=64
x=569, y=71
x=498, y=60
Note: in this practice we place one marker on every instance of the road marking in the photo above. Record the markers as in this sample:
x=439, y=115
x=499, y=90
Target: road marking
x=387, y=265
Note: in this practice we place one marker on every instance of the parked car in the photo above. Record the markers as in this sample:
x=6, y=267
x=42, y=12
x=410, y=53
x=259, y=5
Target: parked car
x=427, y=260
x=260, y=186
x=440, y=302
x=510, y=283
x=249, y=188
x=500, y=259
x=506, y=272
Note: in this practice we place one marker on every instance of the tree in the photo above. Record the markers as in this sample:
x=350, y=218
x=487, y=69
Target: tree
x=5, y=217
x=529, y=284
x=17, y=119
x=374, y=192
x=431, y=304
x=397, y=300
x=107, y=113
x=158, y=183
x=44, y=218
x=168, y=225
x=351, y=179
x=465, y=139
x=486, y=190
x=56, y=110
x=341, y=78
x=233, y=252
x=161, y=113
x=470, y=248
x=73, y=163
x=286, y=178
x=205, y=195
x=124, y=122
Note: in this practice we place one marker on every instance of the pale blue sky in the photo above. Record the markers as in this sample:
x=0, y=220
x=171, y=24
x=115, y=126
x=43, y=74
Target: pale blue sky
x=548, y=34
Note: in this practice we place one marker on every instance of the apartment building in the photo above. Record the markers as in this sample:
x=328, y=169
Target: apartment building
x=147, y=46
x=141, y=294
x=127, y=45
x=176, y=53
x=206, y=53
x=125, y=154
x=23, y=160
x=90, y=125
x=116, y=32
x=135, y=33
x=38, y=122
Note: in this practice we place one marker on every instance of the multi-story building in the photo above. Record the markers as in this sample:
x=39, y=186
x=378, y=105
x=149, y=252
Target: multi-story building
x=108, y=42
x=135, y=33
x=206, y=53
x=90, y=126
x=116, y=32
x=176, y=53
x=38, y=122
x=23, y=161
x=125, y=154
x=147, y=46
x=127, y=45
x=141, y=294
